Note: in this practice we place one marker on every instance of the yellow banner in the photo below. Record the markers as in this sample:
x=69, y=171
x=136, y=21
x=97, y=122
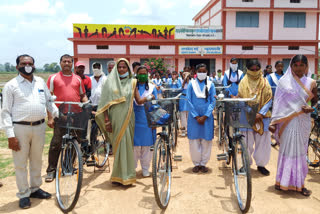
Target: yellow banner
x=90, y=31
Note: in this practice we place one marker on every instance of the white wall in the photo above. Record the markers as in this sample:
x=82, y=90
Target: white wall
x=92, y=49
x=144, y=50
x=307, y=50
x=237, y=49
x=205, y=17
x=215, y=8
x=217, y=20
x=303, y=4
x=255, y=3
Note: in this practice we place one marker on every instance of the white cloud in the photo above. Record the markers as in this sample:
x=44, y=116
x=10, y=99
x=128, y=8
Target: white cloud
x=32, y=7
x=120, y=21
x=76, y=18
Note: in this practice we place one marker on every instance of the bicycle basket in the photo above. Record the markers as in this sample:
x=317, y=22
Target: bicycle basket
x=169, y=93
x=71, y=116
x=159, y=112
x=241, y=114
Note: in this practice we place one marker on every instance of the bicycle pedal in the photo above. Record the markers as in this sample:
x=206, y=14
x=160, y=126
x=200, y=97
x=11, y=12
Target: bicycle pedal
x=177, y=158
x=221, y=157
x=91, y=163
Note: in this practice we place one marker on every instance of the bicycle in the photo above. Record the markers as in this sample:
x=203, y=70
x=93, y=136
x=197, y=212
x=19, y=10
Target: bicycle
x=239, y=113
x=98, y=149
x=74, y=117
x=313, y=155
x=160, y=113
x=219, y=111
x=171, y=93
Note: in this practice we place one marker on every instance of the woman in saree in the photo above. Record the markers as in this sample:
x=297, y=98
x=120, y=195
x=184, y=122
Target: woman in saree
x=115, y=117
x=258, y=138
x=291, y=121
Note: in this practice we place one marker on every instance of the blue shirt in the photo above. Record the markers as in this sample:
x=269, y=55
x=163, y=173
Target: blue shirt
x=234, y=86
x=271, y=82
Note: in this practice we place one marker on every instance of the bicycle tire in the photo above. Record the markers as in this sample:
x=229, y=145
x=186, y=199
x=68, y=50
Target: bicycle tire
x=161, y=169
x=174, y=132
x=65, y=170
x=313, y=155
x=100, y=146
x=244, y=200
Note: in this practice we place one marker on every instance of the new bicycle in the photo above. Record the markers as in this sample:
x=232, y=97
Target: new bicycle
x=74, y=117
x=160, y=113
x=239, y=113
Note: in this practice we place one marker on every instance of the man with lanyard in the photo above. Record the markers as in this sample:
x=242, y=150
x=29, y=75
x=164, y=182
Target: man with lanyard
x=66, y=86
x=79, y=70
x=26, y=101
x=232, y=77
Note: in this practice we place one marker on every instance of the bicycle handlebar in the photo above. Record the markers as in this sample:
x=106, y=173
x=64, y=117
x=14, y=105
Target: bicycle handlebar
x=238, y=99
x=223, y=87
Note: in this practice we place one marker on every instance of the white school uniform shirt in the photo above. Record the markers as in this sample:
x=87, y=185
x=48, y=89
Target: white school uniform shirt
x=96, y=89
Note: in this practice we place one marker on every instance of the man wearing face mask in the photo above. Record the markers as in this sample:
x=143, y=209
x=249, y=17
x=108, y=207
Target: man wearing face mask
x=26, y=99
x=79, y=70
x=232, y=77
x=96, y=80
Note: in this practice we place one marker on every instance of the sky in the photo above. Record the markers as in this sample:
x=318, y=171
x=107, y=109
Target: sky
x=40, y=28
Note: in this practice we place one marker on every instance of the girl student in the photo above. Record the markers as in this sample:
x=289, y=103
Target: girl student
x=201, y=102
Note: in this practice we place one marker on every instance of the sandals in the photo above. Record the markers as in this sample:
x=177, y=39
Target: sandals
x=305, y=192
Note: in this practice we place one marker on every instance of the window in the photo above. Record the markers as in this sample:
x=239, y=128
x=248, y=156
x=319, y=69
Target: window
x=247, y=19
x=99, y=47
x=154, y=47
x=295, y=1
x=247, y=48
x=247, y=0
x=293, y=48
x=294, y=20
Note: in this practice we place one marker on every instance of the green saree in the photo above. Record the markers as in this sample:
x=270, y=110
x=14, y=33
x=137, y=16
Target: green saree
x=117, y=101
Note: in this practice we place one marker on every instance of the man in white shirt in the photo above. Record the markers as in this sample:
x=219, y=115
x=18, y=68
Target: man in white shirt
x=97, y=79
x=26, y=100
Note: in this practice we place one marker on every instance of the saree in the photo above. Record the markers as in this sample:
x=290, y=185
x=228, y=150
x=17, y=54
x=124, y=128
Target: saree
x=117, y=101
x=254, y=84
x=293, y=128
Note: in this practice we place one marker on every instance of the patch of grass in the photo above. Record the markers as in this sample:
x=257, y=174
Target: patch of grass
x=6, y=167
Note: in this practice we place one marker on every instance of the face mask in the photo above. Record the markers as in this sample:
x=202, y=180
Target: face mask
x=27, y=70
x=219, y=75
x=233, y=67
x=201, y=76
x=97, y=72
x=254, y=74
x=124, y=75
x=142, y=78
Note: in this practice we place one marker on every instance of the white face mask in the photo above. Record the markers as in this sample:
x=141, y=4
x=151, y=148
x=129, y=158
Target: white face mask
x=234, y=67
x=96, y=72
x=201, y=76
x=28, y=69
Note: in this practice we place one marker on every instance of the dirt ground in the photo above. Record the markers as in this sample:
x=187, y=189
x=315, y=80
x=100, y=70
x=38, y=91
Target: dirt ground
x=191, y=193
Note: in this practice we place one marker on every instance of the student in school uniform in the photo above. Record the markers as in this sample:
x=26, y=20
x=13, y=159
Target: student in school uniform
x=201, y=102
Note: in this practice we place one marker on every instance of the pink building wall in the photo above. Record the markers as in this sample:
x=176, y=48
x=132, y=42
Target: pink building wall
x=240, y=3
x=303, y=4
x=260, y=33
x=144, y=50
x=237, y=49
x=92, y=49
x=278, y=50
x=308, y=33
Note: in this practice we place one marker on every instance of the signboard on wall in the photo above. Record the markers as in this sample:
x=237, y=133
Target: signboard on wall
x=88, y=31
x=200, y=50
x=198, y=33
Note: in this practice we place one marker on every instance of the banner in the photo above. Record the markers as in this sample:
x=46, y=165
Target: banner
x=90, y=31
x=200, y=50
x=198, y=32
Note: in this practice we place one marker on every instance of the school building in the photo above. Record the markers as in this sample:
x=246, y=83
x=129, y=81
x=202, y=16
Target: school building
x=268, y=30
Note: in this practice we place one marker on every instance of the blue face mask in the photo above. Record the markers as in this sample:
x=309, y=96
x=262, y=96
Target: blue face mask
x=124, y=75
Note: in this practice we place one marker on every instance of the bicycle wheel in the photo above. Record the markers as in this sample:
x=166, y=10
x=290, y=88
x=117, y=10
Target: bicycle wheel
x=313, y=157
x=69, y=176
x=161, y=173
x=100, y=146
x=220, y=124
x=174, y=132
x=242, y=175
